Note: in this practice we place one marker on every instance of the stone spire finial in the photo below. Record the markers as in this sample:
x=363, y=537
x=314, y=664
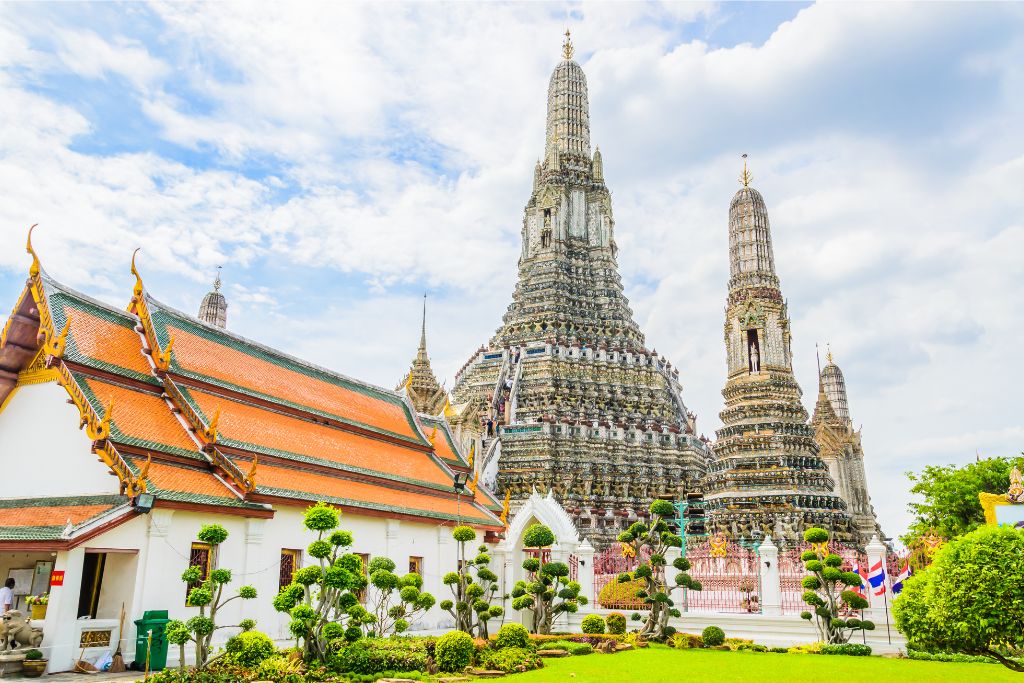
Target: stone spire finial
x=834, y=385
x=422, y=351
x=568, y=120
x=425, y=392
x=751, y=260
x=745, y=178
x=567, y=48
x=214, y=308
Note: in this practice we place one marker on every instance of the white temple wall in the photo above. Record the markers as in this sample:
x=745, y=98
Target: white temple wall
x=39, y=430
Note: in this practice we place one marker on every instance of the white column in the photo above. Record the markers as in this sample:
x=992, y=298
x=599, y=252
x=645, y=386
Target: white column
x=157, y=579
x=251, y=574
x=393, y=546
x=876, y=554
x=62, y=612
x=771, y=582
x=586, y=571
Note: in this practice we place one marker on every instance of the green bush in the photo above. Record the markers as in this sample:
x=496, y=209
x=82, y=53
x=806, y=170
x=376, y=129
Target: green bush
x=852, y=649
x=948, y=657
x=33, y=655
x=781, y=650
x=554, y=645
x=376, y=655
x=712, y=636
x=512, y=635
x=580, y=648
x=616, y=623
x=592, y=623
x=453, y=651
x=510, y=659
x=249, y=648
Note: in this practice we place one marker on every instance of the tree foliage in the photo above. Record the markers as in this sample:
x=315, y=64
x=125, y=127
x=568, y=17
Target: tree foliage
x=547, y=592
x=949, y=503
x=322, y=598
x=655, y=539
x=473, y=587
x=208, y=596
x=395, y=601
x=827, y=591
x=971, y=598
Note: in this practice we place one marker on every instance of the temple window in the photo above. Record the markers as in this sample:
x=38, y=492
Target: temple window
x=416, y=565
x=291, y=560
x=200, y=555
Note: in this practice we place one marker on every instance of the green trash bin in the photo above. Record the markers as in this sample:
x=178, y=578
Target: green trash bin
x=155, y=622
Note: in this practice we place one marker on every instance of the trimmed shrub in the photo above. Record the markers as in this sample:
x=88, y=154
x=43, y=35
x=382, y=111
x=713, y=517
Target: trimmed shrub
x=616, y=623
x=623, y=595
x=580, y=648
x=851, y=649
x=948, y=657
x=249, y=648
x=780, y=650
x=376, y=655
x=685, y=641
x=453, y=651
x=511, y=659
x=712, y=636
x=512, y=635
x=592, y=623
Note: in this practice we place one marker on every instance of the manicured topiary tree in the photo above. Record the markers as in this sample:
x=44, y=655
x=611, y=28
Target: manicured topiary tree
x=453, y=651
x=208, y=596
x=325, y=593
x=616, y=623
x=473, y=586
x=970, y=599
x=548, y=592
x=712, y=636
x=395, y=600
x=592, y=624
x=656, y=539
x=512, y=635
x=827, y=589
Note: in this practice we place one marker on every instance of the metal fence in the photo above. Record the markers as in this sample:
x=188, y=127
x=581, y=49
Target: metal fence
x=729, y=574
x=792, y=572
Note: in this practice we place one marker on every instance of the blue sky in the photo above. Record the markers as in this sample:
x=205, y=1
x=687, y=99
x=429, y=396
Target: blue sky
x=338, y=161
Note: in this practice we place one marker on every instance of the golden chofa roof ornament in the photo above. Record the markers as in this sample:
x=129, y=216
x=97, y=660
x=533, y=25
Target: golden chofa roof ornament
x=746, y=177
x=567, y=48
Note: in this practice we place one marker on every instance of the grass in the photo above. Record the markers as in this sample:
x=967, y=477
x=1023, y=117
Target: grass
x=659, y=664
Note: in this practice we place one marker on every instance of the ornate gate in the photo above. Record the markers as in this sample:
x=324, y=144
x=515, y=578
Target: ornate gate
x=608, y=564
x=729, y=575
x=792, y=572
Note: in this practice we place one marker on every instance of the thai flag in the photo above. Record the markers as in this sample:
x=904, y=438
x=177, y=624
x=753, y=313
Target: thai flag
x=876, y=577
x=897, y=585
x=860, y=590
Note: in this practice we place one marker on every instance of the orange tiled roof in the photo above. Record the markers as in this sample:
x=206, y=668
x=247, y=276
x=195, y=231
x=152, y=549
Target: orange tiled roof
x=230, y=362
x=185, y=480
x=140, y=418
x=99, y=335
x=442, y=445
x=292, y=483
x=267, y=431
x=50, y=516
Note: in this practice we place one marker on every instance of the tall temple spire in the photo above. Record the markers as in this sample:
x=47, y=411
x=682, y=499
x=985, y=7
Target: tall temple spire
x=834, y=384
x=425, y=392
x=568, y=120
x=767, y=476
x=214, y=308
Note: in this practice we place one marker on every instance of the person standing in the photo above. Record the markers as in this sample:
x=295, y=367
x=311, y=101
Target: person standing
x=7, y=596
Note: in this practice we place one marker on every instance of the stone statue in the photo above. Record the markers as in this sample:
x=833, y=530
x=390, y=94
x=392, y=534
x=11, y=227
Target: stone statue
x=16, y=629
x=755, y=358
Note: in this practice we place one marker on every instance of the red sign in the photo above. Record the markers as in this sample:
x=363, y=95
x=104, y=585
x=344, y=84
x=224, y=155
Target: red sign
x=57, y=578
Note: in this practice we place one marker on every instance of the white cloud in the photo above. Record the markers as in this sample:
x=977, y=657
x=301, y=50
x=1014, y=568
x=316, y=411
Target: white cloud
x=400, y=142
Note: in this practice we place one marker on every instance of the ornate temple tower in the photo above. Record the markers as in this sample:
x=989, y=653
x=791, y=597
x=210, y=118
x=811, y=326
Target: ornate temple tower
x=566, y=396
x=767, y=474
x=214, y=308
x=420, y=384
x=841, y=449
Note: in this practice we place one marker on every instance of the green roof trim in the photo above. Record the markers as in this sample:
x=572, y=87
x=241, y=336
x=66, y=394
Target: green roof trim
x=229, y=499
x=117, y=436
x=61, y=501
x=31, y=533
x=442, y=425
x=162, y=316
x=382, y=507
x=58, y=296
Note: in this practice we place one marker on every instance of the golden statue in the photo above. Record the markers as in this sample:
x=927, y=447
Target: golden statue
x=1015, y=494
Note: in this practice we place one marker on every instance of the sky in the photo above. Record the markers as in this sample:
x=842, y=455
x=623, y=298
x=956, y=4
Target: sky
x=339, y=160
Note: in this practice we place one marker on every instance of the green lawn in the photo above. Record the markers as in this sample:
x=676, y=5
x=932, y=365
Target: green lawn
x=664, y=665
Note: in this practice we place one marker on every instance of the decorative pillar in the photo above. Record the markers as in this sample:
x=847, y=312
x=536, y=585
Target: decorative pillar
x=158, y=568
x=62, y=612
x=392, y=545
x=254, y=528
x=876, y=555
x=771, y=581
x=585, y=553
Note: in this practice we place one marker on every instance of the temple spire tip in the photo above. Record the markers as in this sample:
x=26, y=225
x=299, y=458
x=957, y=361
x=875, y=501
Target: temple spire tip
x=567, y=48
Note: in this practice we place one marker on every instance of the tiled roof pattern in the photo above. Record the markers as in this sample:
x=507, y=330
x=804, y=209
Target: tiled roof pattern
x=46, y=512
x=31, y=533
x=167, y=478
x=222, y=359
x=261, y=430
x=100, y=338
x=140, y=418
x=291, y=483
x=443, y=445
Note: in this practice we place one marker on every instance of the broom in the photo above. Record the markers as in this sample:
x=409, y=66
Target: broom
x=117, y=663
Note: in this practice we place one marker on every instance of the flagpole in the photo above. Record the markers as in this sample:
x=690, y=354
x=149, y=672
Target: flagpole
x=885, y=598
